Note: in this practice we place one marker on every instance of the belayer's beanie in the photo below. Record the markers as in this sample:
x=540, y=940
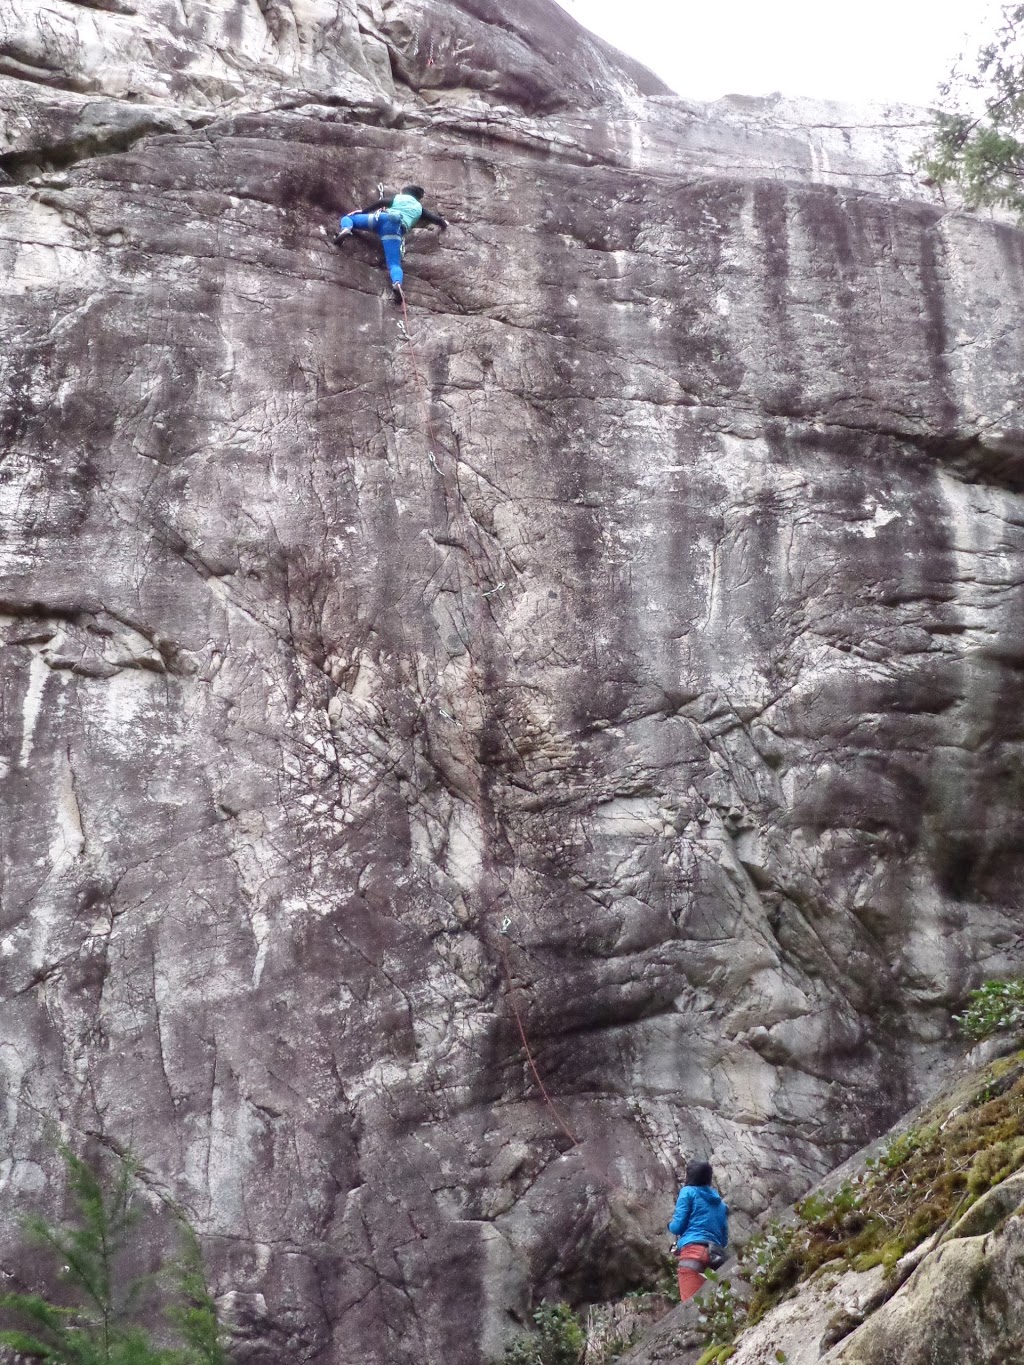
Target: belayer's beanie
x=417, y=191
x=698, y=1173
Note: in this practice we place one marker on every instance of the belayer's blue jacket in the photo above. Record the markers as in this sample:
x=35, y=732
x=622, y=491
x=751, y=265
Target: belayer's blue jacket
x=701, y=1215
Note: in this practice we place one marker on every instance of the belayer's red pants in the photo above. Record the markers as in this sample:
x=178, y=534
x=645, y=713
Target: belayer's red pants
x=690, y=1280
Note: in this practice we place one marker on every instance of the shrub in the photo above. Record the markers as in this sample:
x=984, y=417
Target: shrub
x=820, y=1208
x=559, y=1339
x=901, y=1148
x=765, y=1251
x=995, y=1006
x=719, y=1313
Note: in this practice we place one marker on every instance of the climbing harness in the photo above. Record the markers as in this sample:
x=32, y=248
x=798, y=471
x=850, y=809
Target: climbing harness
x=683, y=1263
x=717, y=1256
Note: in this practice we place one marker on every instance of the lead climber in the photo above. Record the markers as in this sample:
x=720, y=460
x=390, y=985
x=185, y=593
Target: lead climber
x=700, y=1226
x=392, y=221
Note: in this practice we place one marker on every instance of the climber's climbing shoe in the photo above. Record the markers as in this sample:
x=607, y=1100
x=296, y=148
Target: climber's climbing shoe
x=396, y=289
x=339, y=237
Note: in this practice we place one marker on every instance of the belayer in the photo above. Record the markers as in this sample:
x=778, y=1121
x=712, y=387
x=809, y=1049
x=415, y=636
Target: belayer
x=392, y=222
x=700, y=1226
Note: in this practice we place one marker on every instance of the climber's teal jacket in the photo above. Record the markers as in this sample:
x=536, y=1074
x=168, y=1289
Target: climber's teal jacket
x=701, y=1215
x=408, y=208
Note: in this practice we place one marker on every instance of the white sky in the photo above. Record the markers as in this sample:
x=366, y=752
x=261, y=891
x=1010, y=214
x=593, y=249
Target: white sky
x=864, y=50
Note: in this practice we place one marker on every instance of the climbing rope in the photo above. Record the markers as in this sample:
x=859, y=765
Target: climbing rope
x=419, y=382
x=509, y=985
x=510, y=991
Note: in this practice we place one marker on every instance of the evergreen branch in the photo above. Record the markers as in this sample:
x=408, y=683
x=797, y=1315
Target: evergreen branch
x=196, y=1318
x=38, y=1310
x=99, y=1330
x=982, y=154
x=26, y=1345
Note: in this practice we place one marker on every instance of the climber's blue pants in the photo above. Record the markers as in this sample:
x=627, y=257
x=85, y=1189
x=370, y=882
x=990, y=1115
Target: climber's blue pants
x=391, y=231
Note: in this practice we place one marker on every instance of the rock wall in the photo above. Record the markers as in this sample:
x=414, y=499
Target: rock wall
x=628, y=654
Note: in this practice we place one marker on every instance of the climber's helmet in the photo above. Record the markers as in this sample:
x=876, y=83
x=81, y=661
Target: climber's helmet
x=417, y=191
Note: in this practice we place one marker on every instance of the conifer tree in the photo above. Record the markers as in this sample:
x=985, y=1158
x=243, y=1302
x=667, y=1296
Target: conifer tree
x=978, y=138
x=93, y=1252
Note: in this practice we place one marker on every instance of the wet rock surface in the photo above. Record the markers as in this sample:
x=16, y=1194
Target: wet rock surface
x=628, y=652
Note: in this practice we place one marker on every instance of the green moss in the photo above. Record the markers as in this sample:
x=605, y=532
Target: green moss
x=993, y=1164
x=923, y=1180
x=716, y=1354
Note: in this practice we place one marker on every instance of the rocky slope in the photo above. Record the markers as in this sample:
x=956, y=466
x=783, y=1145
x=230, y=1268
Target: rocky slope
x=628, y=657
x=911, y=1252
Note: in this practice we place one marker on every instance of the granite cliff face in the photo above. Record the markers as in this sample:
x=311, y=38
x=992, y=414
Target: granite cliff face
x=635, y=656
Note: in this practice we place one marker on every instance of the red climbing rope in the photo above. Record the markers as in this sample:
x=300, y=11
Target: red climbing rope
x=509, y=987
x=420, y=384
x=526, y=1047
